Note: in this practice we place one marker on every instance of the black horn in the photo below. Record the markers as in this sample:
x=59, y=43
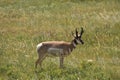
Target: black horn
x=82, y=31
x=76, y=32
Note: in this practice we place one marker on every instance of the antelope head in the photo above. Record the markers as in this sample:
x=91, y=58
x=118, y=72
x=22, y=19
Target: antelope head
x=78, y=36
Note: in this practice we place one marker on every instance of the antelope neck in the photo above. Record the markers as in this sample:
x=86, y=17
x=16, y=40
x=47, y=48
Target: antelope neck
x=74, y=43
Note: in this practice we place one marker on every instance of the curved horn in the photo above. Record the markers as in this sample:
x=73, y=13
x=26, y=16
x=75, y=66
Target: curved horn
x=82, y=31
x=76, y=32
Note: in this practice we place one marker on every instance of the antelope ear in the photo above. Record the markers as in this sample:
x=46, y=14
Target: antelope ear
x=73, y=34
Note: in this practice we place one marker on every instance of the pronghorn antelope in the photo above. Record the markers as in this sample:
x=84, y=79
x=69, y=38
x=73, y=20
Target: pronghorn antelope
x=58, y=48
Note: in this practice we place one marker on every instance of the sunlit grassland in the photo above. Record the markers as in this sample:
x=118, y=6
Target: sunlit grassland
x=25, y=23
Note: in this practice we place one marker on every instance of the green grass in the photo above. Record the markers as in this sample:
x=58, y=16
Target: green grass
x=25, y=23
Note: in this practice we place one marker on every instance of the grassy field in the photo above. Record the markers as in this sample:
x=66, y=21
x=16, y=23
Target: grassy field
x=25, y=23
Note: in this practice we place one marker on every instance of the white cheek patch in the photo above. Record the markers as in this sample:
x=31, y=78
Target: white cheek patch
x=78, y=41
x=55, y=51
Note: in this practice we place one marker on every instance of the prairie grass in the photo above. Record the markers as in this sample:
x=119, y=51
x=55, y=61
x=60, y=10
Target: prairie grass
x=25, y=23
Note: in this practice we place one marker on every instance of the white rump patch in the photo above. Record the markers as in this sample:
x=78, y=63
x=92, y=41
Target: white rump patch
x=38, y=46
x=55, y=51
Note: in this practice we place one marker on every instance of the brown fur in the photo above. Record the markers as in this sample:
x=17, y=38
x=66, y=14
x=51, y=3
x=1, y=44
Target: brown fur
x=62, y=48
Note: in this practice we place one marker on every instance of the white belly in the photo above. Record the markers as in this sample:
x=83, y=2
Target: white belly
x=54, y=51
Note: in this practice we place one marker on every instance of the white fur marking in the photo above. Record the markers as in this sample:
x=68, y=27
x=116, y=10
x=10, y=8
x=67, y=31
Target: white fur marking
x=55, y=51
x=38, y=46
x=78, y=41
x=74, y=44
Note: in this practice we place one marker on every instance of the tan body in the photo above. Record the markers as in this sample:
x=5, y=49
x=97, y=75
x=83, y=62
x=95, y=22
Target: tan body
x=54, y=48
x=57, y=48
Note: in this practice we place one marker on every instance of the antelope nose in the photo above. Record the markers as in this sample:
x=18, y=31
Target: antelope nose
x=82, y=42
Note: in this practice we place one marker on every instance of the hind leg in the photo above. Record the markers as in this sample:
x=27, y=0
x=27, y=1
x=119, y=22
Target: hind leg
x=39, y=60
